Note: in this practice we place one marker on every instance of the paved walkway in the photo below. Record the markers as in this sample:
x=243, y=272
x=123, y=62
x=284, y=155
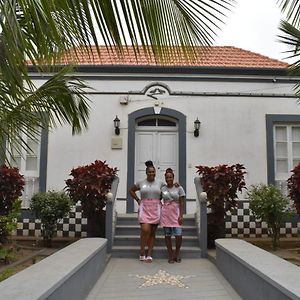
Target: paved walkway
x=191, y=279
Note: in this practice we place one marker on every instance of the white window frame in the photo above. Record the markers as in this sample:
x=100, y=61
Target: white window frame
x=31, y=177
x=281, y=177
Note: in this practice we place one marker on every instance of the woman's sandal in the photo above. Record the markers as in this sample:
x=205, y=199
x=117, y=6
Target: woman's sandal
x=171, y=261
x=142, y=257
x=177, y=259
x=149, y=259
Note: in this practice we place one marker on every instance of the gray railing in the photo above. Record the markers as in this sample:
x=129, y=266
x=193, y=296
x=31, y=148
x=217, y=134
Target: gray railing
x=111, y=214
x=201, y=216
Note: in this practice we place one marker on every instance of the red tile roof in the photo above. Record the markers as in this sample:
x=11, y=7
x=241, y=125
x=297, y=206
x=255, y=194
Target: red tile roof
x=216, y=56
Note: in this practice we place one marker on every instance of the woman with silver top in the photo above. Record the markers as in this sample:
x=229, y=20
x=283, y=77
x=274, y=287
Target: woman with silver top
x=172, y=214
x=149, y=209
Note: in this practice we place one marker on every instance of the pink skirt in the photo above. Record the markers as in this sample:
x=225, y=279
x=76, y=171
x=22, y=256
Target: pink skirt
x=149, y=211
x=170, y=214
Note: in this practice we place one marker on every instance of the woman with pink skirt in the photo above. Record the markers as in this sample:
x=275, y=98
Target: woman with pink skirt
x=172, y=215
x=149, y=209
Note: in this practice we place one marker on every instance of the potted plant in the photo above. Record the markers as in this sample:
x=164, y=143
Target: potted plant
x=268, y=204
x=293, y=184
x=221, y=183
x=50, y=207
x=11, y=187
x=89, y=185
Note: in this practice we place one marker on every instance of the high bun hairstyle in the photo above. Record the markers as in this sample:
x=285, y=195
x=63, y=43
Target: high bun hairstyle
x=149, y=164
x=170, y=171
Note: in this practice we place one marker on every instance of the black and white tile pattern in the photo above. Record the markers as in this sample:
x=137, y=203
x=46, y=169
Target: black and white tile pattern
x=240, y=223
x=72, y=226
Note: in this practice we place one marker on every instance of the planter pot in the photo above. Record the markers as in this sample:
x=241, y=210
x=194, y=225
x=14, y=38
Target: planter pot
x=96, y=224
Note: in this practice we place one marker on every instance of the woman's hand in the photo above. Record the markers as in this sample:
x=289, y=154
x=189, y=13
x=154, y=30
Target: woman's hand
x=180, y=220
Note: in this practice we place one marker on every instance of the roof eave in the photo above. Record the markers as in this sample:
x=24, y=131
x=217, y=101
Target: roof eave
x=177, y=70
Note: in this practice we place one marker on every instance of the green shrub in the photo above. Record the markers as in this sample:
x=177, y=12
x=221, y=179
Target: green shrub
x=49, y=207
x=8, y=223
x=268, y=204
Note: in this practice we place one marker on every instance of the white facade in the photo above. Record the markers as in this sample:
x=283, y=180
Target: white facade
x=232, y=109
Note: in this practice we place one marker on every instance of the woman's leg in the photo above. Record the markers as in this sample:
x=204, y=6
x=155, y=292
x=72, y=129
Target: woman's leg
x=145, y=235
x=178, y=239
x=151, y=239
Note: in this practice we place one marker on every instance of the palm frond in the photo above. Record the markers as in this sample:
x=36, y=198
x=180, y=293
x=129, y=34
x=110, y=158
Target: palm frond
x=292, y=10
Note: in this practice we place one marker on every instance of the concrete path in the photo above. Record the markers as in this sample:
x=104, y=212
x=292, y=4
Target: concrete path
x=191, y=279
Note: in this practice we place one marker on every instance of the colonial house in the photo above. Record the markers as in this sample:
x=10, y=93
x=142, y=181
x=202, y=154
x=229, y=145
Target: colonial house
x=244, y=102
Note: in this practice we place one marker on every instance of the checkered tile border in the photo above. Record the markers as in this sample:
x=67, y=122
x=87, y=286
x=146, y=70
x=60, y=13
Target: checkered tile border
x=241, y=223
x=72, y=226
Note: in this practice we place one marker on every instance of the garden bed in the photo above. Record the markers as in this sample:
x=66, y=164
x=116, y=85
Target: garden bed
x=289, y=248
x=26, y=251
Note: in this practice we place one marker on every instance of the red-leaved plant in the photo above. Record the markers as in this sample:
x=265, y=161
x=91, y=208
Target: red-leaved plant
x=90, y=184
x=293, y=184
x=221, y=183
x=11, y=187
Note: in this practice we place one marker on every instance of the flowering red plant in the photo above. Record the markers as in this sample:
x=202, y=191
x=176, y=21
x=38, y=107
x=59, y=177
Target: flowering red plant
x=11, y=187
x=221, y=183
x=90, y=185
x=293, y=184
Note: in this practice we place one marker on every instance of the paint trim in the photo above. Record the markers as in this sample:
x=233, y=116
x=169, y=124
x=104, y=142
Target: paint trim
x=270, y=121
x=181, y=118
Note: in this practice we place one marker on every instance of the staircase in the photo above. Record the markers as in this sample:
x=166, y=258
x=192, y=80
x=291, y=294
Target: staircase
x=127, y=238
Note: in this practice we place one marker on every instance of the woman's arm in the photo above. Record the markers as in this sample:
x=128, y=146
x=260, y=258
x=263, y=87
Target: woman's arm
x=181, y=206
x=132, y=193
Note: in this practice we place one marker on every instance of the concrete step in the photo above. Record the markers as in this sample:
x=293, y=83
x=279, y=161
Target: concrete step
x=132, y=219
x=134, y=240
x=158, y=252
x=187, y=230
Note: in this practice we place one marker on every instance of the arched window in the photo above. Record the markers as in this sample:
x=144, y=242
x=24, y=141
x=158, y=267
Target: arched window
x=156, y=122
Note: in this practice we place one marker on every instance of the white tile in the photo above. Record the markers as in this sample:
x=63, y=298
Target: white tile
x=78, y=227
x=240, y=224
x=246, y=230
x=246, y=218
x=227, y=224
x=234, y=218
x=240, y=212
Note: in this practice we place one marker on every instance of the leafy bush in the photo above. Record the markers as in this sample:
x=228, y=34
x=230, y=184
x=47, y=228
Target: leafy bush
x=268, y=204
x=221, y=183
x=90, y=184
x=11, y=187
x=293, y=184
x=8, y=223
x=49, y=207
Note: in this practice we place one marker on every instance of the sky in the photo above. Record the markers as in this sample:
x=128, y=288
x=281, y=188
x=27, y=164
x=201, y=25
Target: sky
x=253, y=25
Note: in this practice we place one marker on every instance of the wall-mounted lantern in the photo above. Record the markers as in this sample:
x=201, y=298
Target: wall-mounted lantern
x=117, y=125
x=197, y=124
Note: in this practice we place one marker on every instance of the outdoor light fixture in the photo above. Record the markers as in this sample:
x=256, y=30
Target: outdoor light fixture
x=197, y=124
x=117, y=125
